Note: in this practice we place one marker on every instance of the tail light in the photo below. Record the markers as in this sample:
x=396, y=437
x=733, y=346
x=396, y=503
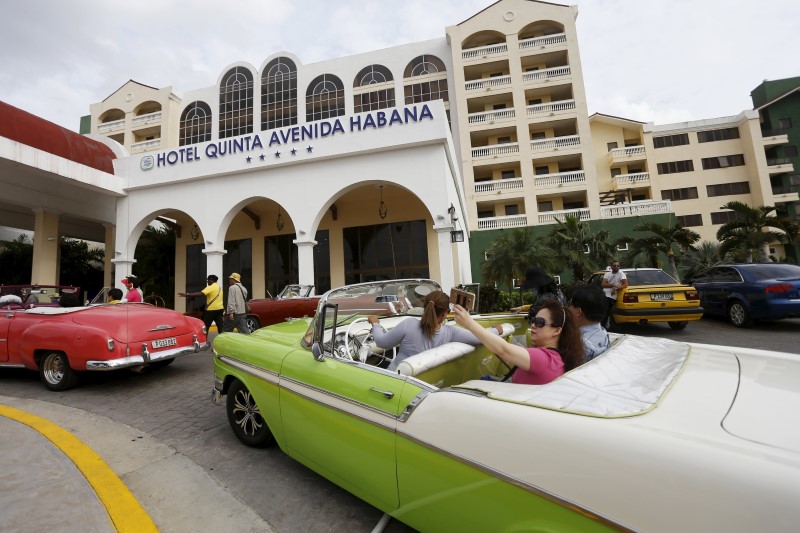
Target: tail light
x=778, y=289
x=692, y=295
x=630, y=298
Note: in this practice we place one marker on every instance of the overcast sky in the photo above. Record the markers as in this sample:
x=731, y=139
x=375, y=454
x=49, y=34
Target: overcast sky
x=649, y=60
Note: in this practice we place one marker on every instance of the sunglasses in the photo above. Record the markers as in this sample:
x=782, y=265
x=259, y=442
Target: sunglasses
x=540, y=322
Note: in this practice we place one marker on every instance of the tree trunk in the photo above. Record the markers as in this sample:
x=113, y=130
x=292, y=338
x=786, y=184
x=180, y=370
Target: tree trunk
x=763, y=253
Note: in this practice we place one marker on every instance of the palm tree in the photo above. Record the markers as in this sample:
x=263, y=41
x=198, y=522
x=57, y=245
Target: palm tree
x=16, y=260
x=579, y=248
x=155, y=262
x=700, y=257
x=662, y=239
x=747, y=232
x=508, y=257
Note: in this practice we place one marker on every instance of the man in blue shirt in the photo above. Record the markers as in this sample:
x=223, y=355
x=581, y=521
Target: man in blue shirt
x=588, y=307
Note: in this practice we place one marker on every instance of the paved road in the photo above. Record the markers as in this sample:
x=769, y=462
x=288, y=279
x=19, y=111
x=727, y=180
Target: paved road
x=173, y=405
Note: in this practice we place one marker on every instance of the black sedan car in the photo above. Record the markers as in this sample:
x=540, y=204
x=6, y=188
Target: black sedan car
x=745, y=292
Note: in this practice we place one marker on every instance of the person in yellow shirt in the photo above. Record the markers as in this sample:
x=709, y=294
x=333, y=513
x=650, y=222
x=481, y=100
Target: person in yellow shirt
x=114, y=296
x=214, y=308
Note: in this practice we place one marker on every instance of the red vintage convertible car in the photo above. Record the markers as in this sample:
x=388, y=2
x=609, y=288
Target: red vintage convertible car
x=60, y=342
x=294, y=301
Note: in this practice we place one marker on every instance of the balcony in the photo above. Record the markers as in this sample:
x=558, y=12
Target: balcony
x=779, y=165
x=509, y=221
x=548, y=42
x=628, y=154
x=549, y=217
x=499, y=186
x=637, y=179
x=143, y=120
x=783, y=194
x=487, y=84
x=484, y=52
x=775, y=137
x=490, y=117
x=145, y=145
x=545, y=111
x=560, y=179
x=495, y=150
x=644, y=207
x=554, y=144
x=114, y=125
x=546, y=75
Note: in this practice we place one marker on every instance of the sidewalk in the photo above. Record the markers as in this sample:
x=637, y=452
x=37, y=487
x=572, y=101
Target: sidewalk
x=65, y=470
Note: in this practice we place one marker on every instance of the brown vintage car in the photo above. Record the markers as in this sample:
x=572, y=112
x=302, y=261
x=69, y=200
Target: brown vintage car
x=294, y=301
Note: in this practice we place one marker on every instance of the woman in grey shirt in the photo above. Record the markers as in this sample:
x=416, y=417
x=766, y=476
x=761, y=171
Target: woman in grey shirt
x=414, y=336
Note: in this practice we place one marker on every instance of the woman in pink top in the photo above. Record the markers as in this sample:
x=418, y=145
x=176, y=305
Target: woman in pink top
x=557, y=345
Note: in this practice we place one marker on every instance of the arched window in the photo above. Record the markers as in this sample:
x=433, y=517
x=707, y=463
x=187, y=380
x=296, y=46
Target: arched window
x=373, y=89
x=195, y=125
x=324, y=98
x=236, y=103
x=279, y=94
x=434, y=87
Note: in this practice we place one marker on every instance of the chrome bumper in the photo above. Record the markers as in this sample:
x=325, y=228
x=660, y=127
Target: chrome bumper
x=146, y=357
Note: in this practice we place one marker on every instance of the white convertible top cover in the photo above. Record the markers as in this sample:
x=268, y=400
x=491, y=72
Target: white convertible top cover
x=628, y=379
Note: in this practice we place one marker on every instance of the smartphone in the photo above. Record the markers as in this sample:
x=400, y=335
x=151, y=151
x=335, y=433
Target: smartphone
x=463, y=298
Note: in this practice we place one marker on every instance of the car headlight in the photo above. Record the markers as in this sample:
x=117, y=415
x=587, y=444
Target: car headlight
x=110, y=343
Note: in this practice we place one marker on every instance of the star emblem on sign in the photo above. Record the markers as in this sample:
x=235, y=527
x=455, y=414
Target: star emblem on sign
x=277, y=154
x=248, y=158
x=294, y=152
x=309, y=149
x=261, y=157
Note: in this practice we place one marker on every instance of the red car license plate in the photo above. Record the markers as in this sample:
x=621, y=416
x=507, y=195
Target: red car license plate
x=163, y=343
x=661, y=296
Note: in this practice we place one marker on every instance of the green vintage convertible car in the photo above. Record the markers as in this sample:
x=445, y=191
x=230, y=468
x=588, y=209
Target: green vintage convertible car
x=653, y=435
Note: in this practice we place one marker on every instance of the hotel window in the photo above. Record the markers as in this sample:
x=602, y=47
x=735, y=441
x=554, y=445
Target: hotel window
x=689, y=220
x=508, y=174
x=503, y=140
x=717, y=135
x=612, y=146
x=784, y=123
x=675, y=166
x=726, y=189
x=324, y=98
x=616, y=172
x=431, y=89
x=723, y=217
x=378, y=99
x=724, y=161
x=545, y=206
x=195, y=125
x=236, y=103
x=542, y=170
x=687, y=193
x=790, y=151
x=279, y=94
x=385, y=251
x=512, y=210
x=671, y=140
x=485, y=214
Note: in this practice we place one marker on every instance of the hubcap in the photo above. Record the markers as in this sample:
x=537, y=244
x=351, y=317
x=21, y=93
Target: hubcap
x=737, y=314
x=53, y=369
x=246, y=413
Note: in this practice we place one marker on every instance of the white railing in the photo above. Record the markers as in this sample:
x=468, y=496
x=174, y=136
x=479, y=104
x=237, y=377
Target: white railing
x=546, y=74
x=646, y=207
x=510, y=221
x=495, y=150
x=628, y=151
x=490, y=116
x=638, y=178
x=550, y=108
x=549, y=217
x=111, y=126
x=150, y=117
x=543, y=181
x=484, y=51
x=146, y=144
x=555, y=143
x=486, y=83
x=547, y=40
x=504, y=185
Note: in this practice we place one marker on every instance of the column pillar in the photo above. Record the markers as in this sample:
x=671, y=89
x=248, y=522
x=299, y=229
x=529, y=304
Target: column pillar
x=446, y=267
x=123, y=267
x=305, y=260
x=214, y=265
x=45, y=269
x=108, y=266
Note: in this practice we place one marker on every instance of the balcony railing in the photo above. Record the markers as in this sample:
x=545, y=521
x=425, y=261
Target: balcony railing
x=774, y=132
x=543, y=42
x=143, y=145
x=778, y=161
x=484, y=51
x=509, y=221
x=628, y=151
x=646, y=207
x=490, y=116
x=550, y=108
x=549, y=217
x=488, y=83
x=638, y=178
x=555, y=143
x=495, y=186
x=111, y=126
x=546, y=74
x=495, y=150
x=543, y=181
x=144, y=119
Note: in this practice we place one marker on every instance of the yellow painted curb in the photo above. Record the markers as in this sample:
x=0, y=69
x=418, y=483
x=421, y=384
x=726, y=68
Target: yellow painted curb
x=124, y=510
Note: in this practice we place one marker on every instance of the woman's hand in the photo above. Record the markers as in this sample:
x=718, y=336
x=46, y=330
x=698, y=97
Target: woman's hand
x=462, y=316
x=372, y=319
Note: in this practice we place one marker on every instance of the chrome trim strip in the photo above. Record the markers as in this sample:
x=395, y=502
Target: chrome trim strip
x=12, y=365
x=253, y=370
x=135, y=360
x=162, y=327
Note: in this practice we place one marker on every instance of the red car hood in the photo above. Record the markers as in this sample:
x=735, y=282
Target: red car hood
x=137, y=322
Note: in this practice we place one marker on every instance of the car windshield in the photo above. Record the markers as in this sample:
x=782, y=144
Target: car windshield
x=296, y=291
x=381, y=298
x=649, y=277
x=781, y=272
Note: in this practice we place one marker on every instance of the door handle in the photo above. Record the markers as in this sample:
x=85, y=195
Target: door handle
x=388, y=394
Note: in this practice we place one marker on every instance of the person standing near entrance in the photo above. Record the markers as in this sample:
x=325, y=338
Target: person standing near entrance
x=613, y=281
x=236, y=313
x=214, y=309
x=133, y=295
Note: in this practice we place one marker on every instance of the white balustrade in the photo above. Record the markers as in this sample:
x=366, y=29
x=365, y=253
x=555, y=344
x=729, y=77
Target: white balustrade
x=484, y=51
x=111, y=126
x=510, y=221
x=149, y=117
x=146, y=144
x=495, y=186
x=628, y=151
x=549, y=217
x=539, y=42
x=550, y=108
x=487, y=83
x=645, y=207
x=555, y=143
x=546, y=74
x=543, y=181
x=490, y=116
x=495, y=149
x=637, y=178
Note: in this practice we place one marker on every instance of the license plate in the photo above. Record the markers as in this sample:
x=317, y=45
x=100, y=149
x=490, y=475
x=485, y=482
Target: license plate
x=163, y=343
x=661, y=296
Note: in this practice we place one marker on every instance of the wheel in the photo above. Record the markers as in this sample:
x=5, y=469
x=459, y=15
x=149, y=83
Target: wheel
x=162, y=363
x=55, y=372
x=739, y=315
x=245, y=418
x=252, y=323
x=681, y=324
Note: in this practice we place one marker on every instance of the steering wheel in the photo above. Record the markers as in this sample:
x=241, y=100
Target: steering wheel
x=349, y=334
